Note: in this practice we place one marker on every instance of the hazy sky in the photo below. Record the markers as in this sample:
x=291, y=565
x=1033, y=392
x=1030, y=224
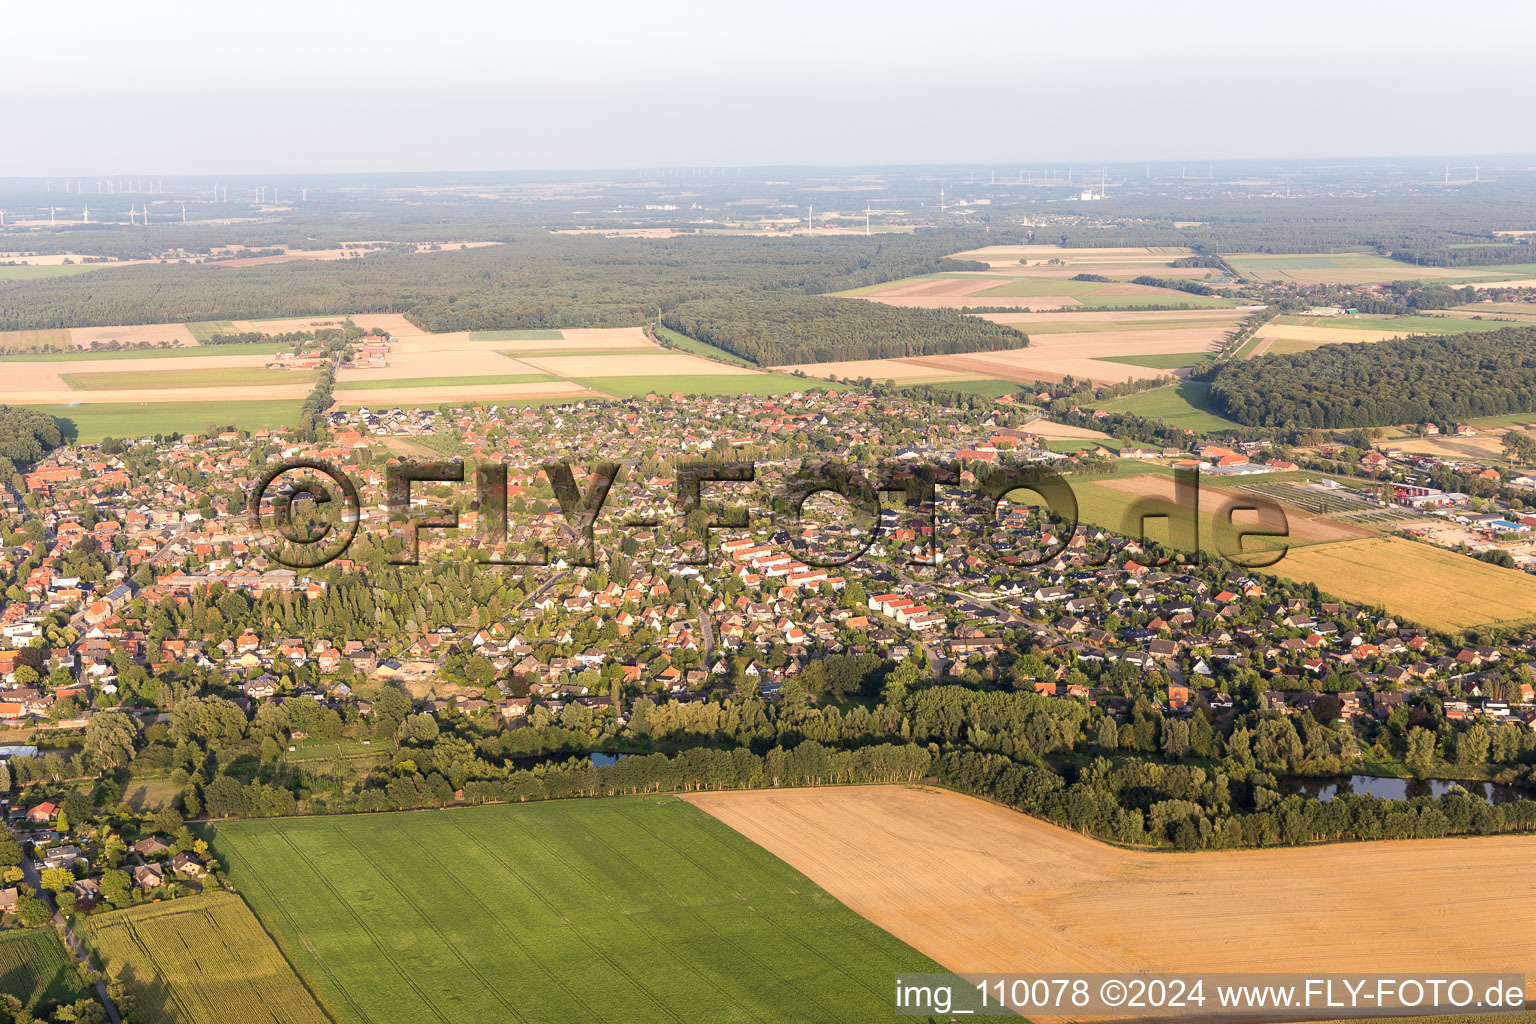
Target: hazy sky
x=286, y=86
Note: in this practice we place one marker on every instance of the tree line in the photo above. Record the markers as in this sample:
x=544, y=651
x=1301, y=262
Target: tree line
x=776, y=330
x=1413, y=380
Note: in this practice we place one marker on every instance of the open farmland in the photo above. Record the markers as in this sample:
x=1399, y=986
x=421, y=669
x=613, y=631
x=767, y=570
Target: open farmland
x=1032, y=292
x=1286, y=334
x=1429, y=585
x=1112, y=503
x=1324, y=268
x=627, y=909
x=1104, y=351
x=199, y=960
x=765, y=384
x=35, y=968
x=166, y=379
x=979, y=887
x=1111, y=261
x=145, y=419
x=1184, y=405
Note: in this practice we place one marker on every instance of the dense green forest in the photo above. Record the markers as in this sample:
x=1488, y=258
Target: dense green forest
x=1418, y=228
x=26, y=435
x=1435, y=378
x=532, y=281
x=800, y=329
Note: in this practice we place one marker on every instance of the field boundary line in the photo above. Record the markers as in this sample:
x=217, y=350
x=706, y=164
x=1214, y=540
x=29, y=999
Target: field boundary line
x=596, y=950
x=361, y=925
x=635, y=919
x=555, y=979
x=304, y=939
x=854, y=978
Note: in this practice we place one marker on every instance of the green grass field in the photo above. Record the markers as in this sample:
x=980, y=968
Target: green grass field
x=30, y=273
x=700, y=348
x=1315, y=267
x=626, y=909
x=1160, y=361
x=516, y=335
x=990, y=388
x=199, y=960
x=94, y=421
x=707, y=384
x=1183, y=405
x=35, y=968
x=162, y=380
x=86, y=355
x=202, y=330
x=1405, y=324
x=438, y=382
x=1095, y=293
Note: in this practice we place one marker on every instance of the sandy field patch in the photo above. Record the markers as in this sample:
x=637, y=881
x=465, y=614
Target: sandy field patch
x=1125, y=317
x=979, y=887
x=1327, y=335
x=606, y=335
x=899, y=370
x=408, y=397
x=960, y=301
x=1481, y=448
x=31, y=382
x=1524, y=282
x=291, y=324
x=1132, y=343
x=1043, y=427
x=51, y=259
x=1029, y=365
x=81, y=337
x=664, y=364
x=299, y=389
x=1303, y=528
x=404, y=365
x=938, y=286
x=1155, y=268
x=640, y=344
x=1005, y=254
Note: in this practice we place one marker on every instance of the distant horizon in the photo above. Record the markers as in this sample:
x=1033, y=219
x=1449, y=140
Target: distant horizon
x=300, y=87
x=1161, y=168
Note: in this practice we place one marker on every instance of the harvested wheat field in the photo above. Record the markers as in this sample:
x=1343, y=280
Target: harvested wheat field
x=407, y=362
x=641, y=364
x=1130, y=318
x=1301, y=527
x=902, y=371
x=1060, y=431
x=1050, y=357
x=979, y=887
x=82, y=337
x=1010, y=255
x=454, y=393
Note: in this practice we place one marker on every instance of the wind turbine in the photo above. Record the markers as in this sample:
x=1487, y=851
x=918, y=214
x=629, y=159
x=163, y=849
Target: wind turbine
x=183, y=213
x=85, y=218
x=2, y=218
x=866, y=219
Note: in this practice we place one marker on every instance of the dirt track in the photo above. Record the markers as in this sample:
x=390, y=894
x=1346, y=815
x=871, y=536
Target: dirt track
x=981, y=888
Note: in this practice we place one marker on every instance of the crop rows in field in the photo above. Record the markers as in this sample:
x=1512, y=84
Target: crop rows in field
x=200, y=960
x=619, y=910
x=35, y=968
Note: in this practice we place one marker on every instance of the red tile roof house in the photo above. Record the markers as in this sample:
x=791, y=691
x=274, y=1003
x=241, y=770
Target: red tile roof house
x=43, y=813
